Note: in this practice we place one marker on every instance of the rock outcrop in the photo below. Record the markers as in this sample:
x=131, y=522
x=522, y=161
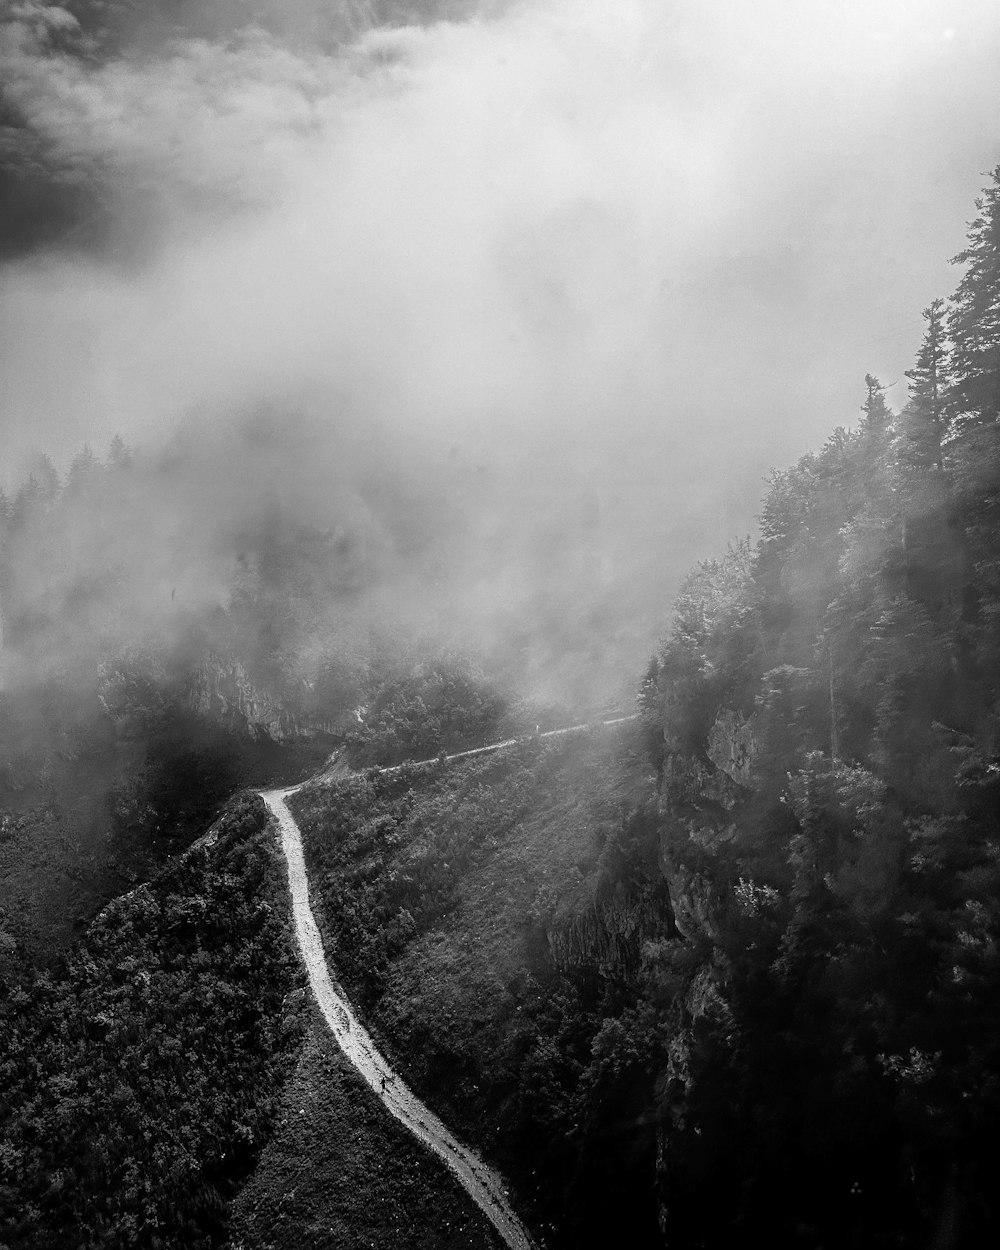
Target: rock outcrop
x=608, y=932
x=222, y=690
x=733, y=745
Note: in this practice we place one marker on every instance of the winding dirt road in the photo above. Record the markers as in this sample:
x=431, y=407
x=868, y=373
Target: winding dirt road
x=482, y=1184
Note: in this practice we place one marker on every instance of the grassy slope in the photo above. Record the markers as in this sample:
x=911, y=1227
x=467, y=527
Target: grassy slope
x=486, y=857
x=341, y=1172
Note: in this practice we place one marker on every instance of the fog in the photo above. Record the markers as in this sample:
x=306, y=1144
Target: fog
x=562, y=279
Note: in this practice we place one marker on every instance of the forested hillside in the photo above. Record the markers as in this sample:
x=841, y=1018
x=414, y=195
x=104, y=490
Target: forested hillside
x=739, y=975
x=140, y=1074
x=824, y=717
x=146, y=677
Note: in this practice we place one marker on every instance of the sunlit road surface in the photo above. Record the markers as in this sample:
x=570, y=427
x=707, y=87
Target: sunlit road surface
x=482, y=1184
x=512, y=742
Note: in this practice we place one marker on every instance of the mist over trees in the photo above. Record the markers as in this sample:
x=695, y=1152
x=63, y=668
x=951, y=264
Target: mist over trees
x=738, y=974
x=824, y=719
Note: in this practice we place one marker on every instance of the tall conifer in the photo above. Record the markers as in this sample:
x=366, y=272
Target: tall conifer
x=924, y=421
x=974, y=319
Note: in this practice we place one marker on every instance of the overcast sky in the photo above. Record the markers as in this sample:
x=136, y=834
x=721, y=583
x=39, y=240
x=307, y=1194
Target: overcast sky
x=652, y=246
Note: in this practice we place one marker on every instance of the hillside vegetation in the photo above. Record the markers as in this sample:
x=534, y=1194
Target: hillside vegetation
x=167, y=1082
x=488, y=917
x=139, y=1076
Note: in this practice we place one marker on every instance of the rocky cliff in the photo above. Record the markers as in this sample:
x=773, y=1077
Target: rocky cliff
x=222, y=690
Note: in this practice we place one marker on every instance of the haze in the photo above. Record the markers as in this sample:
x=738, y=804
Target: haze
x=560, y=269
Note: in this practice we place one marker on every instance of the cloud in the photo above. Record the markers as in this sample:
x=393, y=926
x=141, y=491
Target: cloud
x=635, y=249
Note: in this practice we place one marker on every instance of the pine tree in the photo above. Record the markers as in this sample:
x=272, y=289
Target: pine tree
x=81, y=472
x=27, y=502
x=877, y=412
x=43, y=472
x=974, y=319
x=924, y=422
x=119, y=454
x=973, y=442
x=871, y=461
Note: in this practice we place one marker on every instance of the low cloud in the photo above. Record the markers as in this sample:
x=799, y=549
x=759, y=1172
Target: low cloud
x=617, y=257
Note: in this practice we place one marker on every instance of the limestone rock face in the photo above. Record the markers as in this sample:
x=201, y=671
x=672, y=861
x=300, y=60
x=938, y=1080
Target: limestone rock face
x=608, y=932
x=222, y=690
x=733, y=746
x=692, y=900
x=698, y=800
x=697, y=785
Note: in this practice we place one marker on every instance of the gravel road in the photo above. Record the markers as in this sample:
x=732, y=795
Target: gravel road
x=482, y=1184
